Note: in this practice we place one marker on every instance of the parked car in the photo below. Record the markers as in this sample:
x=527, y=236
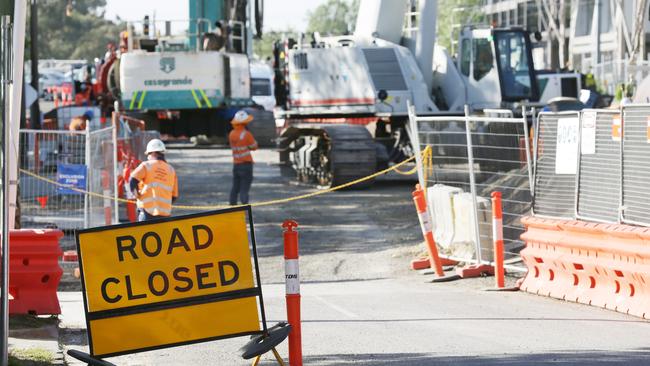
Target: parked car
x=47, y=79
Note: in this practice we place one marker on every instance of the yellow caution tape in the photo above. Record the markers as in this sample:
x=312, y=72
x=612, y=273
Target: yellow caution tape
x=426, y=152
x=427, y=159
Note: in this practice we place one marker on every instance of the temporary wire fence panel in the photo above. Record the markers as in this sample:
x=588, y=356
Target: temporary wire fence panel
x=499, y=162
x=501, y=150
x=636, y=164
x=55, y=165
x=101, y=177
x=556, y=164
x=599, y=168
x=58, y=156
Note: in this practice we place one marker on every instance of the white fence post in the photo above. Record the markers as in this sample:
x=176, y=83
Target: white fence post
x=472, y=185
x=89, y=176
x=116, y=207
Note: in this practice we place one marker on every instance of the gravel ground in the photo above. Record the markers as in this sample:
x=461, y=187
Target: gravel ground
x=352, y=234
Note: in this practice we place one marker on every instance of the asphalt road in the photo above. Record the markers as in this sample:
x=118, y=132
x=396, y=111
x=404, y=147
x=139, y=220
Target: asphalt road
x=361, y=304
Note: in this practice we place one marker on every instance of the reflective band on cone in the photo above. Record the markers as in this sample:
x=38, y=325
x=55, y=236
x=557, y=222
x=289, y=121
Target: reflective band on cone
x=497, y=234
x=292, y=278
x=427, y=229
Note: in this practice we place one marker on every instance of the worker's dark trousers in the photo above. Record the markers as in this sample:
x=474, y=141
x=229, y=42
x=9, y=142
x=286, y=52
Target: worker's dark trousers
x=242, y=177
x=144, y=215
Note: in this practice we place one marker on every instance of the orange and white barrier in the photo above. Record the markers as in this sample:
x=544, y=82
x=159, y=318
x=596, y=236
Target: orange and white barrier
x=497, y=234
x=427, y=230
x=292, y=278
x=604, y=265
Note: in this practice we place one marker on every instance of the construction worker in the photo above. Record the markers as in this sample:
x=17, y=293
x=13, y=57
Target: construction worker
x=242, y=143
x=154, y=183
x=79, y=123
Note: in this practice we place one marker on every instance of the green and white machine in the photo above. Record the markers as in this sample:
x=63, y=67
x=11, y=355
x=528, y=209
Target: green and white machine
x=187, y=85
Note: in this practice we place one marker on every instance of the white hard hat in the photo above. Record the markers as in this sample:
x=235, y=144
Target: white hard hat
x=155, y=145
x=241, y=117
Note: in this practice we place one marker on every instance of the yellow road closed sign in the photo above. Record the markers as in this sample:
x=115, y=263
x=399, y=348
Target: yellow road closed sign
x=170, y=282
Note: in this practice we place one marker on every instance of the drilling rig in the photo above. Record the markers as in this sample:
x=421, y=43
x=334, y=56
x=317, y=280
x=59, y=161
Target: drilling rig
x=343, y=100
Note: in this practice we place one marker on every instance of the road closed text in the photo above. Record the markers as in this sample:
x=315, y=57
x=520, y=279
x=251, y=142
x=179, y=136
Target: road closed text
x=169, y=282
x=166, y=261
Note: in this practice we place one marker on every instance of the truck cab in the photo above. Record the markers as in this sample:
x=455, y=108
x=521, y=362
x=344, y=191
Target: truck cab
x=496, y=66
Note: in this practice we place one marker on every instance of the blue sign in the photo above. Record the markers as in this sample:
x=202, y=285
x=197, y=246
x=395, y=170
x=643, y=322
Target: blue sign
x=71, y=175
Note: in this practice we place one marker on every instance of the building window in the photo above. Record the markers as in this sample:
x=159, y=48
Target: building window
x=532, y=19
x=585, y=18
x=521, y=15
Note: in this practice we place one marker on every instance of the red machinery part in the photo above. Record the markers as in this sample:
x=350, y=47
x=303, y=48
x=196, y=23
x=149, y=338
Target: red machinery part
x=34, y=271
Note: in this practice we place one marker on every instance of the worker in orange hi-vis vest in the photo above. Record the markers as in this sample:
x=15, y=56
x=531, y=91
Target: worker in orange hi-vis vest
x=79, y=123
x=242, y=143
x=154, y=183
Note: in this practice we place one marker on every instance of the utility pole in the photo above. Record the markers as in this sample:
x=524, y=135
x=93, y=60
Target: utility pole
x=35, y=110
x=5, y=57
x=598, y=11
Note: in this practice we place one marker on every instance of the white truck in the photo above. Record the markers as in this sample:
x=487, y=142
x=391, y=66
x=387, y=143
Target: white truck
x=262, y=88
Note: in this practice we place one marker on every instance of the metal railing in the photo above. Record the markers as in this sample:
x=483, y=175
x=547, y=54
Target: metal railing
x=599, y=167
x=635, y=178
x=556, y=161
x=75, y=160
x=475, y=156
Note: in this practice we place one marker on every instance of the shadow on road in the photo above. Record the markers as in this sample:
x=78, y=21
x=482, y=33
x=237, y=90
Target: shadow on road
x=476, y=319
x=632, y=357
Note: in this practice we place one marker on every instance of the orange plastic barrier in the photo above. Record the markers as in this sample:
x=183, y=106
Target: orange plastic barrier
x=34, y=271
x=425, y=262
x=595, y=264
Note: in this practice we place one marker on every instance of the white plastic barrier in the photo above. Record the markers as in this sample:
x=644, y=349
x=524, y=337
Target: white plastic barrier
x=441, y=206
x=465, y=228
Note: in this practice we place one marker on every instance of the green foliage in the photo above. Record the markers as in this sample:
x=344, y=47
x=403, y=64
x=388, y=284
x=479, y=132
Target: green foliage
x=81, y=34
x=335, y=17
x=30, y=357
x=263, y=47
x=455, y=13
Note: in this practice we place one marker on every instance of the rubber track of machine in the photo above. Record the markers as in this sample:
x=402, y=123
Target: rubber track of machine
x=352, y=155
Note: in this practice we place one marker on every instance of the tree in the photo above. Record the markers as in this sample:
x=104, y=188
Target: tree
x=263, y=47
x=452, y=16
x=74, y=30
x=335, y=17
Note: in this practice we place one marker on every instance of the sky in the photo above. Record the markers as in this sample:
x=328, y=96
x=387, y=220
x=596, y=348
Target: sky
x=278, y=14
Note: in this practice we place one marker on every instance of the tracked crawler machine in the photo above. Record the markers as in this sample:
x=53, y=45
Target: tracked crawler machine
x=343, y=100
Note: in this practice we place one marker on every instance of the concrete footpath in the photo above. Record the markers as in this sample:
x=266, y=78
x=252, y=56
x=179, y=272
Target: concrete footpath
x=408, y=322
x=34, y=341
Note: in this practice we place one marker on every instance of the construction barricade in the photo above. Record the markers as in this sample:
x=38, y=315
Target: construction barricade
x=635, y=180
x=600, y=262
x=131, y=145
x=598, y=188
x=208, y=268
x=556, y=161
x=35, y=272
x=471, y=157
x=605, y=265
x=57, y=167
